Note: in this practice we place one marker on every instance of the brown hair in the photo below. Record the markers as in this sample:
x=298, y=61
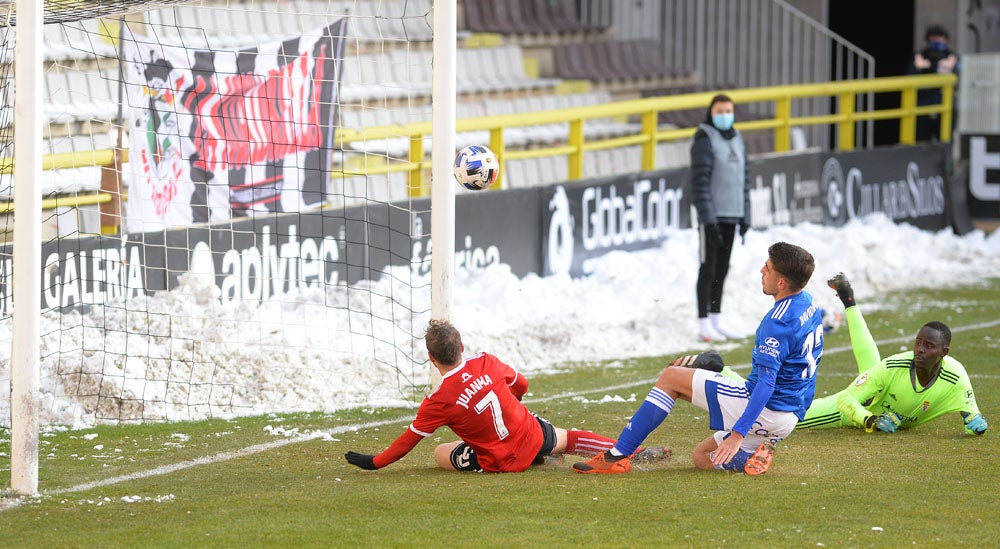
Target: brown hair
x=793, y=263
x=720, y=98
x=444, y=343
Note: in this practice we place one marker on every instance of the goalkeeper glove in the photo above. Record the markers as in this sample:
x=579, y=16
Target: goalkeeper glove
x=887, y=422
x=365, y=461
x=976, y=424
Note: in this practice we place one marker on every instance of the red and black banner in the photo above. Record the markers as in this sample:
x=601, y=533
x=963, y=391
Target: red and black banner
x=223, y=133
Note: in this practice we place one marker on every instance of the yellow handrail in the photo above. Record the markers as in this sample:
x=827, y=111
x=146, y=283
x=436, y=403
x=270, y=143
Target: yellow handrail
x=64, y=201
x=647, y=110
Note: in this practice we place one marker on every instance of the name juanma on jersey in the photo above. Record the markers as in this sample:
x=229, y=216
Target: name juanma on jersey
x=473, y=388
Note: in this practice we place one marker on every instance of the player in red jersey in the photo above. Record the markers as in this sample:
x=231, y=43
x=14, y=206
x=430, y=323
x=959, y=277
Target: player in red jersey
x=480, y=400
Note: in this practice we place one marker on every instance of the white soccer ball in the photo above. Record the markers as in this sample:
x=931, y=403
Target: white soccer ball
x=831, y=321
x=476, y=167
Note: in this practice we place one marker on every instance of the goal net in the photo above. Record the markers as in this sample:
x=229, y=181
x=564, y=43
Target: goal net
x=211, y=247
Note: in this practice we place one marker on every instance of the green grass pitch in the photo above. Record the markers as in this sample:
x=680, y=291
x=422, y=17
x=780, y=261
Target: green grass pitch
x=242, y=482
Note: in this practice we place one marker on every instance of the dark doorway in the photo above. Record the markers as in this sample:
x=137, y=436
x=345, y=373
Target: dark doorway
x=884, y=29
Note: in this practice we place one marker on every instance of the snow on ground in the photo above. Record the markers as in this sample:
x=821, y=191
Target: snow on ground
x=216, y=359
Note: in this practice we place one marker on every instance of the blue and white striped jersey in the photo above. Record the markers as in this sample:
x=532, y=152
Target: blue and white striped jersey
x=786, y=352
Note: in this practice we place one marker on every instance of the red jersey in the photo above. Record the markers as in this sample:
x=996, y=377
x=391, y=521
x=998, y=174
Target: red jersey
x=478, y=400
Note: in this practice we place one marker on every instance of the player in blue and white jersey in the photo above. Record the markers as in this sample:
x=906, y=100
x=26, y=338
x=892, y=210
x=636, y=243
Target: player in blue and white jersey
x=750, y=416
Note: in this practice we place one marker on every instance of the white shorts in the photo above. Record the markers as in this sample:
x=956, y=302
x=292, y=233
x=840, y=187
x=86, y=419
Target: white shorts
x=725, y=400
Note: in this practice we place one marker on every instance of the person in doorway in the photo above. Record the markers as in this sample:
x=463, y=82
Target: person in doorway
x=720, y=187
x=935, y=58
x=480, y=400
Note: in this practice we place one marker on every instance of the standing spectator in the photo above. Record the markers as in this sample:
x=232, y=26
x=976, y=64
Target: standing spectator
x=720, y=186
x=935, y=58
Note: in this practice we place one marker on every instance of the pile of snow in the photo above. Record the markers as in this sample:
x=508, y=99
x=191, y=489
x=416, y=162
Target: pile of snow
x=187, y=355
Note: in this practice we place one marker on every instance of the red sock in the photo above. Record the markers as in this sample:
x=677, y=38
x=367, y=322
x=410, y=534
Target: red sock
x=585, y=443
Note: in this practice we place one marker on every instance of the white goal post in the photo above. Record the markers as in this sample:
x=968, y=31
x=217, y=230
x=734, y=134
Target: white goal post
x=28, y=249
x=242, y=287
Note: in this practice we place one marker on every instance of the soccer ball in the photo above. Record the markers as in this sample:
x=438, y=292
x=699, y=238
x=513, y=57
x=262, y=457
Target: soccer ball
x=831, y=321
x=476, y=167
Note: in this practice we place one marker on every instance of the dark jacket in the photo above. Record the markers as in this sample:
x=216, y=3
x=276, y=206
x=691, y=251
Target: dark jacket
x=702, y=160
x=931, y=96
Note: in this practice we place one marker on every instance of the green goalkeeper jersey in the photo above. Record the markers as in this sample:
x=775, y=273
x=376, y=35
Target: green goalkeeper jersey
x=891, y=385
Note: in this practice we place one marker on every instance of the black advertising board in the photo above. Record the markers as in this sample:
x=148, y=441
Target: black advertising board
x=555, y=229
x=785, y=190
x=259, y=257
x=584, y=220
x=982, y=153
x=907, y=184
x=490, y=227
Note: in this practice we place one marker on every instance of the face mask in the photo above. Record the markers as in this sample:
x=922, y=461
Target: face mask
x=723, y=121
x=939, y=46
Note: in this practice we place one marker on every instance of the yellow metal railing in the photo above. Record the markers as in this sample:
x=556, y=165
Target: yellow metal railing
x=647, y=111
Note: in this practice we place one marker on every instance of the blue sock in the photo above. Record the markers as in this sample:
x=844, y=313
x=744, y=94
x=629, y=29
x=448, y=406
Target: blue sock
x=738, y=462
x=649, y=416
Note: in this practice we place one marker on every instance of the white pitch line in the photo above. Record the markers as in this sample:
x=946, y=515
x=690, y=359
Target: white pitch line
x=258, y=448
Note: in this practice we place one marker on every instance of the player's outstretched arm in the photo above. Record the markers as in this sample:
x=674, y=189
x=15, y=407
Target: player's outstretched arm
x=887, y=422
x=975, y=423
x=963, y=399
x=849, y=404
x=365, y=461
x=399, y=448
x=864, y=388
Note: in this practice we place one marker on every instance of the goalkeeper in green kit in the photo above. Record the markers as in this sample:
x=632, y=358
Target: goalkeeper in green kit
x=901, y=391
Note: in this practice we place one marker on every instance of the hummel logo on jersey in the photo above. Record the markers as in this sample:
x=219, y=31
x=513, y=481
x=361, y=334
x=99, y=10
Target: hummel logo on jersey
x=466, y=376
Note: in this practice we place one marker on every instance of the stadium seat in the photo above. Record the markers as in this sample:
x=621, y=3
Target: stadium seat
x=195, y=24
x=6, y=45
x=364, y=24
x=619, y=64
x=58, y=107
x=473, y=16
x=56, y=43
x=534, y=22
x=510, y=61
x=673, y=154
x=76, y=40
x=495, y=16
x=390, y=20
x=563, y=15
x=514, y=174
x=553, y=169
x=361, y=189
x=548, y=16
x=540, y=133
x=568, y=63
x=104, y=92
x=413, y=68
x=507, y=74
x=352, y=89
x=6, y=101
x=591, y=164
x=162, y=26
x=647, y=59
